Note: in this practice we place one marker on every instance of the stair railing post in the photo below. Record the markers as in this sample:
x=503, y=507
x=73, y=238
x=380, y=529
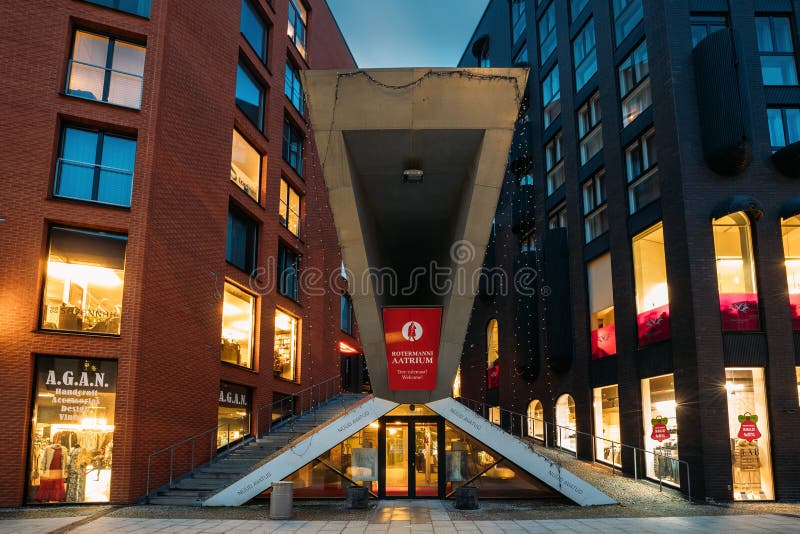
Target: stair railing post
x=211, y=449
x=636, y=464
x=192, y=456
x=171, y=458
x=613, y=458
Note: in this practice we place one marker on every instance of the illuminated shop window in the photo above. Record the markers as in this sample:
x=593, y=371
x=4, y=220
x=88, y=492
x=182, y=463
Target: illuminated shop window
x=245, y=166
x=736, y=279
x=286, y=345
x=238, y=315
x=233, y=413
x=493, y=354
x=634, y=84
x=748, y=421
x=652, y=292
x=457, y=383
x=606, y=425
x=660, y=428
x=791, y=250
x=536, y=420
x=289, y=208
x=797, y=373
x=601, y=307
x=298, y=24
x=71, y=449
x=84, y=281
x=494, y=414
x=566, y=423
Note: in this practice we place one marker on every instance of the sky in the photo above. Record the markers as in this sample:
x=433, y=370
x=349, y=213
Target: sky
x=407, y=33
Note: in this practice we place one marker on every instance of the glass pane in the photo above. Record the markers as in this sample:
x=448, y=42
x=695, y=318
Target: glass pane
x=607, y=425
x=249, y=96
x=285, y=345
x=245, y=166
x=783, y=35
x=426, y=459
x=777, y=138
x=738, y=297
x=627, y=15
x=661, y=429
x=118, y=153
x=566, y=423
x=793, y=124
x=125, y=90
x=86, y=81
x=397, y=460
x=253, y=29
x=115, y=187
x=536, y=420
x=764, y=34
x=778, y=70
x=638, y=101
x=791, y=248
x=652, y=292
x=80, y=146
x=90, y=49
x=233, y=413
x=238, y=312
x=128, y=58
x=75, y=180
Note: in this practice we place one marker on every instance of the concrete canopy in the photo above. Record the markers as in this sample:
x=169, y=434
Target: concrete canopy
x=413, y=244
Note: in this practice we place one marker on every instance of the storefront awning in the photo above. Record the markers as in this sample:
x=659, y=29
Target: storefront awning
x=746, y=203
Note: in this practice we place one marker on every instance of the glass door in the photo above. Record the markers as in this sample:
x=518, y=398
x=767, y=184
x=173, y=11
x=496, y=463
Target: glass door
x=426, y=459
x=398, y=459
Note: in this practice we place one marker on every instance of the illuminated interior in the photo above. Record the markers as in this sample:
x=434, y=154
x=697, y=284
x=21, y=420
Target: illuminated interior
x=566, y=423
x=606, y=425
x=738, y=296
x=290, y=208
x=658, y=402
x=536, y=420
x=601, y=307
x=457, y=383
x=245, y=166
x=790, y=228
x=238, y=312
x=233, y=413
x=652, y=291
x=286, y=332
x=492, y=354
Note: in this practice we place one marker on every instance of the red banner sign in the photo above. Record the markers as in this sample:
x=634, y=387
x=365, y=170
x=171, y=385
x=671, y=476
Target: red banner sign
x=794, y=301
x=493, y=376
x=739, y=311
x=412, y=347
x=653, y=325
x=604, y=341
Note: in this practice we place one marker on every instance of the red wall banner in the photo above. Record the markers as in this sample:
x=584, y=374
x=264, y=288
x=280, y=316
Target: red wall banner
x=412, y=347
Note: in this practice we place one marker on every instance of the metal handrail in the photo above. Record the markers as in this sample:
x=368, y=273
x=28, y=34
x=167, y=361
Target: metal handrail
x=549, y=428
x=331, y=387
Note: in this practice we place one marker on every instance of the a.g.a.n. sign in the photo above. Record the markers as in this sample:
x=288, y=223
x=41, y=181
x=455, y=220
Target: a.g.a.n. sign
x=412, y=347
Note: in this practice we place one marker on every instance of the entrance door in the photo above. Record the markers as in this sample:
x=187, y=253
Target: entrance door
x=411, y=458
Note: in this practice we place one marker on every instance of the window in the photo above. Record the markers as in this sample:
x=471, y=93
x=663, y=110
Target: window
x=576, y=7
x=233, y=413
x=558, y=217
x=293, y=147
x=585, y=55
x=288, y=272
x=528, y=242
x=536, y=420
x=551, y=97
x=566, y=423
x=590, y=130
x=346, y=314
x=547, y=33
x=83, y=282
x=106, y=69
x=797, y=376
x=297, y=25
x=483, y=56
x=289, y=208
x=134, y=7
x=518, y=20
x=652, y=291
x=601, y=307
x=73, y=405
x=250, y=96
x=784, y=127
x=286, y=345
x=493, y=354
x=634, y=84
x=457, y=383
x=736, y=278
x=659, y=413
x=606, y=424
x=521, y=57
x=292, y=88
x=778, y=63
x=627, y=14
x=238, y=318
x=526, y=180
x=790, y=228
x=641, y=165
x=95, y=165
x=242, y=238
x=245, y=166
x=554, y=164
x=595, y=214
x=705, y=25
x=254, y=29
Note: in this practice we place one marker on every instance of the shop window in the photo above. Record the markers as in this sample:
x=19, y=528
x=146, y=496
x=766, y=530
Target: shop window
x=576, y=7
x=790, y=229
x=551, y=96
x=494, y=415
x=95, y=165
x=634, y=84
x=736, y=278
x=595, y=212
x=346, y=314
x=652, y=291
x=289, y=208
x=554, y=164
x=547, y=33
x=457, y=383
x=493, y=354
x=106, y=69
x=84, y=282
x=242, y=240
x=797, y=373
x=784, y=127
x=245, y=166
x=606, y=425
x=558, y=217
x=748, y=421
x=298, y=24
x=250, y=95
x=288, y=272
x=590, y=131
x=536, y=420
x=660, y=429
x=566, y=423
x=72, y=430
x=641, y=165
x=134, y=7
x=585, y=55
x=775, y=45
x=233, y=413
x=704, y=25
x=286, y=345
x=518, y=19
x=255, y=30
x=601, y=307
x=293, y=147
x=238, y=319
x=627, y=14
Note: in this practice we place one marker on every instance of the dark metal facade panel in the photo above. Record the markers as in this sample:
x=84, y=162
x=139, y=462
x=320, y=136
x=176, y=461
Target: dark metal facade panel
x=745, y=350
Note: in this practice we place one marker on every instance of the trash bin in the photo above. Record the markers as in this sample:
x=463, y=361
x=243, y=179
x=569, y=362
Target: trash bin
x=357, y=497
x=466, y=498
x=280, y=502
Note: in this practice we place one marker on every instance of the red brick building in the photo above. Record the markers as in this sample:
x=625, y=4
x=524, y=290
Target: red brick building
x=144, y=262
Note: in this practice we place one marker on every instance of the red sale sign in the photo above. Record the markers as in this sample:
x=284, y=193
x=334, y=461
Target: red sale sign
x=748, y=430
x=412, y=347
x=660, y=430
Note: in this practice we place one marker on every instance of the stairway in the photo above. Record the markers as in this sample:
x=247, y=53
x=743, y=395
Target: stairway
x=228, y=468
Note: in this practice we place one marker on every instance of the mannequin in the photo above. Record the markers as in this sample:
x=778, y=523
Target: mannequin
x=52, y=468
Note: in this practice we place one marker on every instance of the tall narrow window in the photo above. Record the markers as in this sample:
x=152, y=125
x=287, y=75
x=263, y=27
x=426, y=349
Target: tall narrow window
x=254, y=28
x=298, y=22
x=292, y=88
x=518, y=21
x=606, y=424
x=547, y=33
x=551, y=97
x=554, y=164
x=521, y=58
x=790, y=228
x=627, y=14
x=293, y=147
x=659, y=413
x=288, y=272
x=238, y=318
x=736, y=278
x=536, y=420
x=346, y=314
x=641, y=167
x=483, y=56
x=590, y=130
x=83, y=282
x=106, y=69
x=558, y=217
x=784, y=127
x=245, y=166
x=705, y=25
x=634, y=84
x=286, y=345
x=585, y=55
x=95, y=165
x=601, y=307
x=652, y=291
x=250, y=96
x=492, y=354
x=595, y=214
x=576, y=7
x=457, y=383
x=566, y=423
x=242, y=240
x=289, y=208
x=775, y=45
x=233, y=413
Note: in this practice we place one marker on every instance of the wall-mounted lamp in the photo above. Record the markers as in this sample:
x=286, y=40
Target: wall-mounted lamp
x=413, y=176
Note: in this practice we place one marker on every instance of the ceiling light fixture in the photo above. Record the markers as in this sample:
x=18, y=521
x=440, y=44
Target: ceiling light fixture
x=412, y=176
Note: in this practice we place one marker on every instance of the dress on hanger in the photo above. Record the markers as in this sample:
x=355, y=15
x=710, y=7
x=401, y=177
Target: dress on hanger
x=51, y=468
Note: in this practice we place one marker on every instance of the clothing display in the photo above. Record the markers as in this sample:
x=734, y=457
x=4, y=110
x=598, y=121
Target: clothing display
x=52, y=469
x=79, y=458
x=231, y=352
